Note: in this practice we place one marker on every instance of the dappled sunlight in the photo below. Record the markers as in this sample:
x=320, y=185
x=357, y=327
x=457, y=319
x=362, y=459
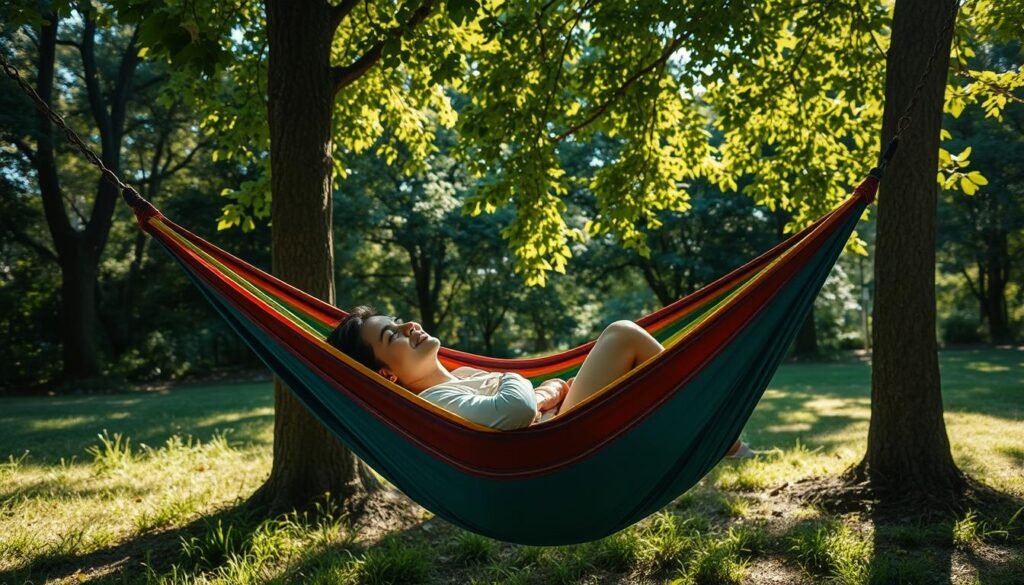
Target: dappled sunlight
x=988, y=446
x=795, y=416
x=77, y=509
x=231, y=417
x=187, y=453
x=788, y=428
x=53, y=424
x=986, y=367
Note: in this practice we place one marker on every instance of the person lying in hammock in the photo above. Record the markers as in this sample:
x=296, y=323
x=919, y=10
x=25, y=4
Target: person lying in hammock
x=405, y=354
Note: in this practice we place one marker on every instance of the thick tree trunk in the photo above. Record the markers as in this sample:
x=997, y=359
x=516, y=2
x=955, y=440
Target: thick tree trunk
x=308, y=459
x=908, y=451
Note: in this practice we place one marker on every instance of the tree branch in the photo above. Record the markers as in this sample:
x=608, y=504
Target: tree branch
x=339, y=12
x=345, y=75
x=619, y=91
x=92, y=85
x=122, y=89
x=151, y=81
x=970, y=284
x=29, y=242
x=69, y=43
x=45, y=163
x=168, y=170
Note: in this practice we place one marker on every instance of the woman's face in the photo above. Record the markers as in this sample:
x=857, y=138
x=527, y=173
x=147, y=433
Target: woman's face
x=406, y=350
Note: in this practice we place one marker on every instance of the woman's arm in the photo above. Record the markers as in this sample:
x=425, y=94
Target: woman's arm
x=513, y=406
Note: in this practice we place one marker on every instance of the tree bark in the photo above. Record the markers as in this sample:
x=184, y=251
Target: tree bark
x=308, y=459
x=908, y=451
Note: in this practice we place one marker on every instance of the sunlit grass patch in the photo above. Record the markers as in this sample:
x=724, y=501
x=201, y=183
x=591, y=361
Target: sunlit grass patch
x=116, y=491
x=774, y=468
x=667, y=539
x=394, y=562
x=734, y=506
x=235, y=547
x=714, y=564
x=972, y=529
x=471, y=548
x=618, y=552
x=986, y=367
x=830, y=548
x=111, y=453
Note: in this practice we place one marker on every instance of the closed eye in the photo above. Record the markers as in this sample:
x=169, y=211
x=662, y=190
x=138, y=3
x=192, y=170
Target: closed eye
x=394, y=330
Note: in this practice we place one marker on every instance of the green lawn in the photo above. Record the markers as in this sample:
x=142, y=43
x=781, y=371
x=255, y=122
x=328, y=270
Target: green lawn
x=144, y=487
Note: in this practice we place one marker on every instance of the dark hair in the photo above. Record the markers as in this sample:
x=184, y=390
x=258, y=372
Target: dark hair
x=346, y=337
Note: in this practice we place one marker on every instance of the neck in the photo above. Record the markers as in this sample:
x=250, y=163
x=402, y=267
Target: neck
x=438, y=375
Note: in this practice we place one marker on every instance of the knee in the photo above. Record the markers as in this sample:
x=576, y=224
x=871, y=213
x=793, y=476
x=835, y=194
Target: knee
x=623, y=327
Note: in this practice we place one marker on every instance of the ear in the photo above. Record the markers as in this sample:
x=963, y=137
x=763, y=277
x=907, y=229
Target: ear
x=388, y=374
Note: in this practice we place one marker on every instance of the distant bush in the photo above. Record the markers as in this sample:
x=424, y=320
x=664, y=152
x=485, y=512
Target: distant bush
x=961, y=327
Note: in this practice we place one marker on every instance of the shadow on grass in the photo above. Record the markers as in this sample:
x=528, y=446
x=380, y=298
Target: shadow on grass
x=921, y=549
x=58, y=428
x=51, y=487
x=163, y=548
x=201, y=546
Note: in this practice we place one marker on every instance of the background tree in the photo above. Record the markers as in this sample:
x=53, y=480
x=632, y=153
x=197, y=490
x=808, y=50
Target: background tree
x=410, y=220
x=975, y=232
x=108, y=59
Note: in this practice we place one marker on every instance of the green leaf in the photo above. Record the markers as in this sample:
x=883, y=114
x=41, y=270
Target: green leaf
x=977, y=178
x=967, y=186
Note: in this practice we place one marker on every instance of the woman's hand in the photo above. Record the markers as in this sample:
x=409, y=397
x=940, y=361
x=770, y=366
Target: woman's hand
x=550, y=393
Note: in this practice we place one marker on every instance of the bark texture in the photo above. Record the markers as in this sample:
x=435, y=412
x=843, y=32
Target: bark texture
x=308, y=459
x=908, y=449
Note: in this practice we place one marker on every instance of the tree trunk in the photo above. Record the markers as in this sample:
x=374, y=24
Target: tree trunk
x=79, y=250
x=908, y=451
x=806, y=343
x=79, y=318
x=308, y=459
x=998, y=276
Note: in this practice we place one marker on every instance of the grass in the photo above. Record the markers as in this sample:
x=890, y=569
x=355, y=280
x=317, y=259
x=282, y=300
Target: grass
x=147, y=487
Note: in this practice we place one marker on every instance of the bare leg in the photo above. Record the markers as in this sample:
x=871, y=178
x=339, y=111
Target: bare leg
x=622, y=346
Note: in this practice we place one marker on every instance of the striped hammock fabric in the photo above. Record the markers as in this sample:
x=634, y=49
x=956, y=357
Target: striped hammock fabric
x=612, y=460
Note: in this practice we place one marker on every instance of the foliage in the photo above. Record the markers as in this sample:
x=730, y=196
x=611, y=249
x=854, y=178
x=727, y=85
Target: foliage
x=512, y=138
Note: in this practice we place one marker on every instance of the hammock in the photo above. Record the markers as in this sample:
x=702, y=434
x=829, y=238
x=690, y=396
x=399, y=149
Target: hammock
x=616, y=457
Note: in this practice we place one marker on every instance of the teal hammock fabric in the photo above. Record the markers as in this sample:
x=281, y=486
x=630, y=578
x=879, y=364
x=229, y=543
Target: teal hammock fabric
x=619, y=456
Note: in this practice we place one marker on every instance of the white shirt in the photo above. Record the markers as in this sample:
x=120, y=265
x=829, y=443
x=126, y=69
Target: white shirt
x=504, y=401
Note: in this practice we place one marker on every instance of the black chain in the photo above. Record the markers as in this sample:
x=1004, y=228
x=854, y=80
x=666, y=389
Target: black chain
x=130, y=195
x=904, y=121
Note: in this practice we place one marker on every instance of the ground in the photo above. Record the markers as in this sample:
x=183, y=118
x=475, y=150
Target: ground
x=147, y=487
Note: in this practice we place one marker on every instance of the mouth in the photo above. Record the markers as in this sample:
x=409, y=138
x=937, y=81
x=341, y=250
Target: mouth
x=422, y=337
